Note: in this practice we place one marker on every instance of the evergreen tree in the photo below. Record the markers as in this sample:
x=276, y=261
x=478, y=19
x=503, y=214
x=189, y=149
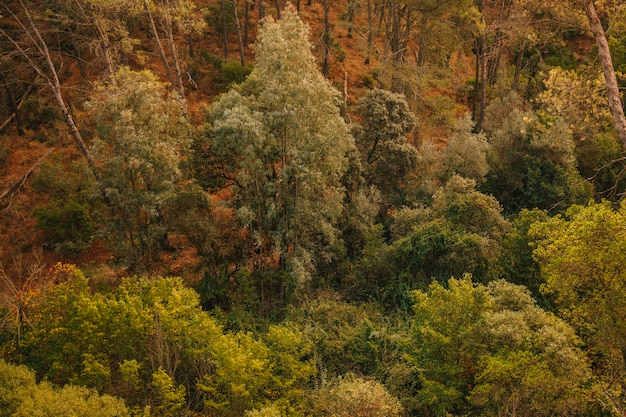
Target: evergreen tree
x=283, y=144
x=141, y=136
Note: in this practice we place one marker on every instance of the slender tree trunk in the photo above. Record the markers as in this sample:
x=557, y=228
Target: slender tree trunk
x=169, y=30
x=327, y=40
x=52, y=79
x=396, y=43
x=277, y=5
x=261, y=5
x=224, y=29
x=483, y=84
x=351, y=11
x=476, y=80
x=246, y=22
x=159, y=45
x=12, y=104
x=615, y=103
x=421, y=55
x=242, y=56
x=518, y=66
x=370, y=31
x=190, y=43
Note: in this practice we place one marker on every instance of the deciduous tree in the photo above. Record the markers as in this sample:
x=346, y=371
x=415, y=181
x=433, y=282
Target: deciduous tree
x=581, y=256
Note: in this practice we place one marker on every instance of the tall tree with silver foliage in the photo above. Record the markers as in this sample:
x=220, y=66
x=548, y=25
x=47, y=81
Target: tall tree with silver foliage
x=284, y=144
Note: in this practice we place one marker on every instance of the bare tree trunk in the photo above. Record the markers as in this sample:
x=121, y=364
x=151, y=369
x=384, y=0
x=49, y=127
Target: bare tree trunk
x=277, y=5
x=13, y=105
x=190, y=43
x=246, y=22
x=518, y=66
x=20, y=103
x=615, y=103
x=421, y=55
x=169, y=30
x=326, y=41
x=351, y=11
x=224, y=30
x=159, y=45
x=52, y=79
x=483, y=85
x=476, y=80
x=370, y=31
x=242, y=56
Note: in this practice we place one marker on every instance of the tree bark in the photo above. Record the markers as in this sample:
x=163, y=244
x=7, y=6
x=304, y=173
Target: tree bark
x=159, y=45
x=242, y=56
x=326, y=38
x=19, y=103
x=51, y=77
x=13, y=188
x=351, y=11
x=246, y=22
x=224, y=29
x=615, y=102
x=179, y=86
x=277, y=5
x=12, y=104
x=370, y=31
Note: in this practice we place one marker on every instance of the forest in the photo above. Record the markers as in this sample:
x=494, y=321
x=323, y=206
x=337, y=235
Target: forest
x=360, y=208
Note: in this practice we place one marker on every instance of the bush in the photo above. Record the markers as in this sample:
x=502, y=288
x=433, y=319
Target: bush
x=351, y=396
x=232, y=72
x=67, y=217
x=69, y=225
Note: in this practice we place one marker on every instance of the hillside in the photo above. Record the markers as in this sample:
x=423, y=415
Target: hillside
x=356, y=208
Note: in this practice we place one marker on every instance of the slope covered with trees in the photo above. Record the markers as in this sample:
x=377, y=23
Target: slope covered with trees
x=367, y=208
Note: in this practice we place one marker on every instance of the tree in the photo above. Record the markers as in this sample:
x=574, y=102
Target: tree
x=615, y=101
x=34, y=49
x=94, y=27
x=171, y=15
x=385, y=152
x=516, y=262
x=141, y=138
x=581, y=255
x=461, y=232
x=22, y=396
x=587, y=10
x=489, y=350
x=352, y=396
x=532, y=159
x=465, y=155
x=284, y=145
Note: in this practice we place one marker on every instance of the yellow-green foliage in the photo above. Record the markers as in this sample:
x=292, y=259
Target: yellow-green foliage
x=351, y=396
x=21, y=396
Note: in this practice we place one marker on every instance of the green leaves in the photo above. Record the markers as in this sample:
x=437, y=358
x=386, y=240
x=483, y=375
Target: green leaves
x=581, y=256
x=141, y=138
x=21, y=396
x=489, y=349
x=385, y=152
x=284, y=144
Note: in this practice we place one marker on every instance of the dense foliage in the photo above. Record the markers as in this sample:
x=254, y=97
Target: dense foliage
x=443, y=237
